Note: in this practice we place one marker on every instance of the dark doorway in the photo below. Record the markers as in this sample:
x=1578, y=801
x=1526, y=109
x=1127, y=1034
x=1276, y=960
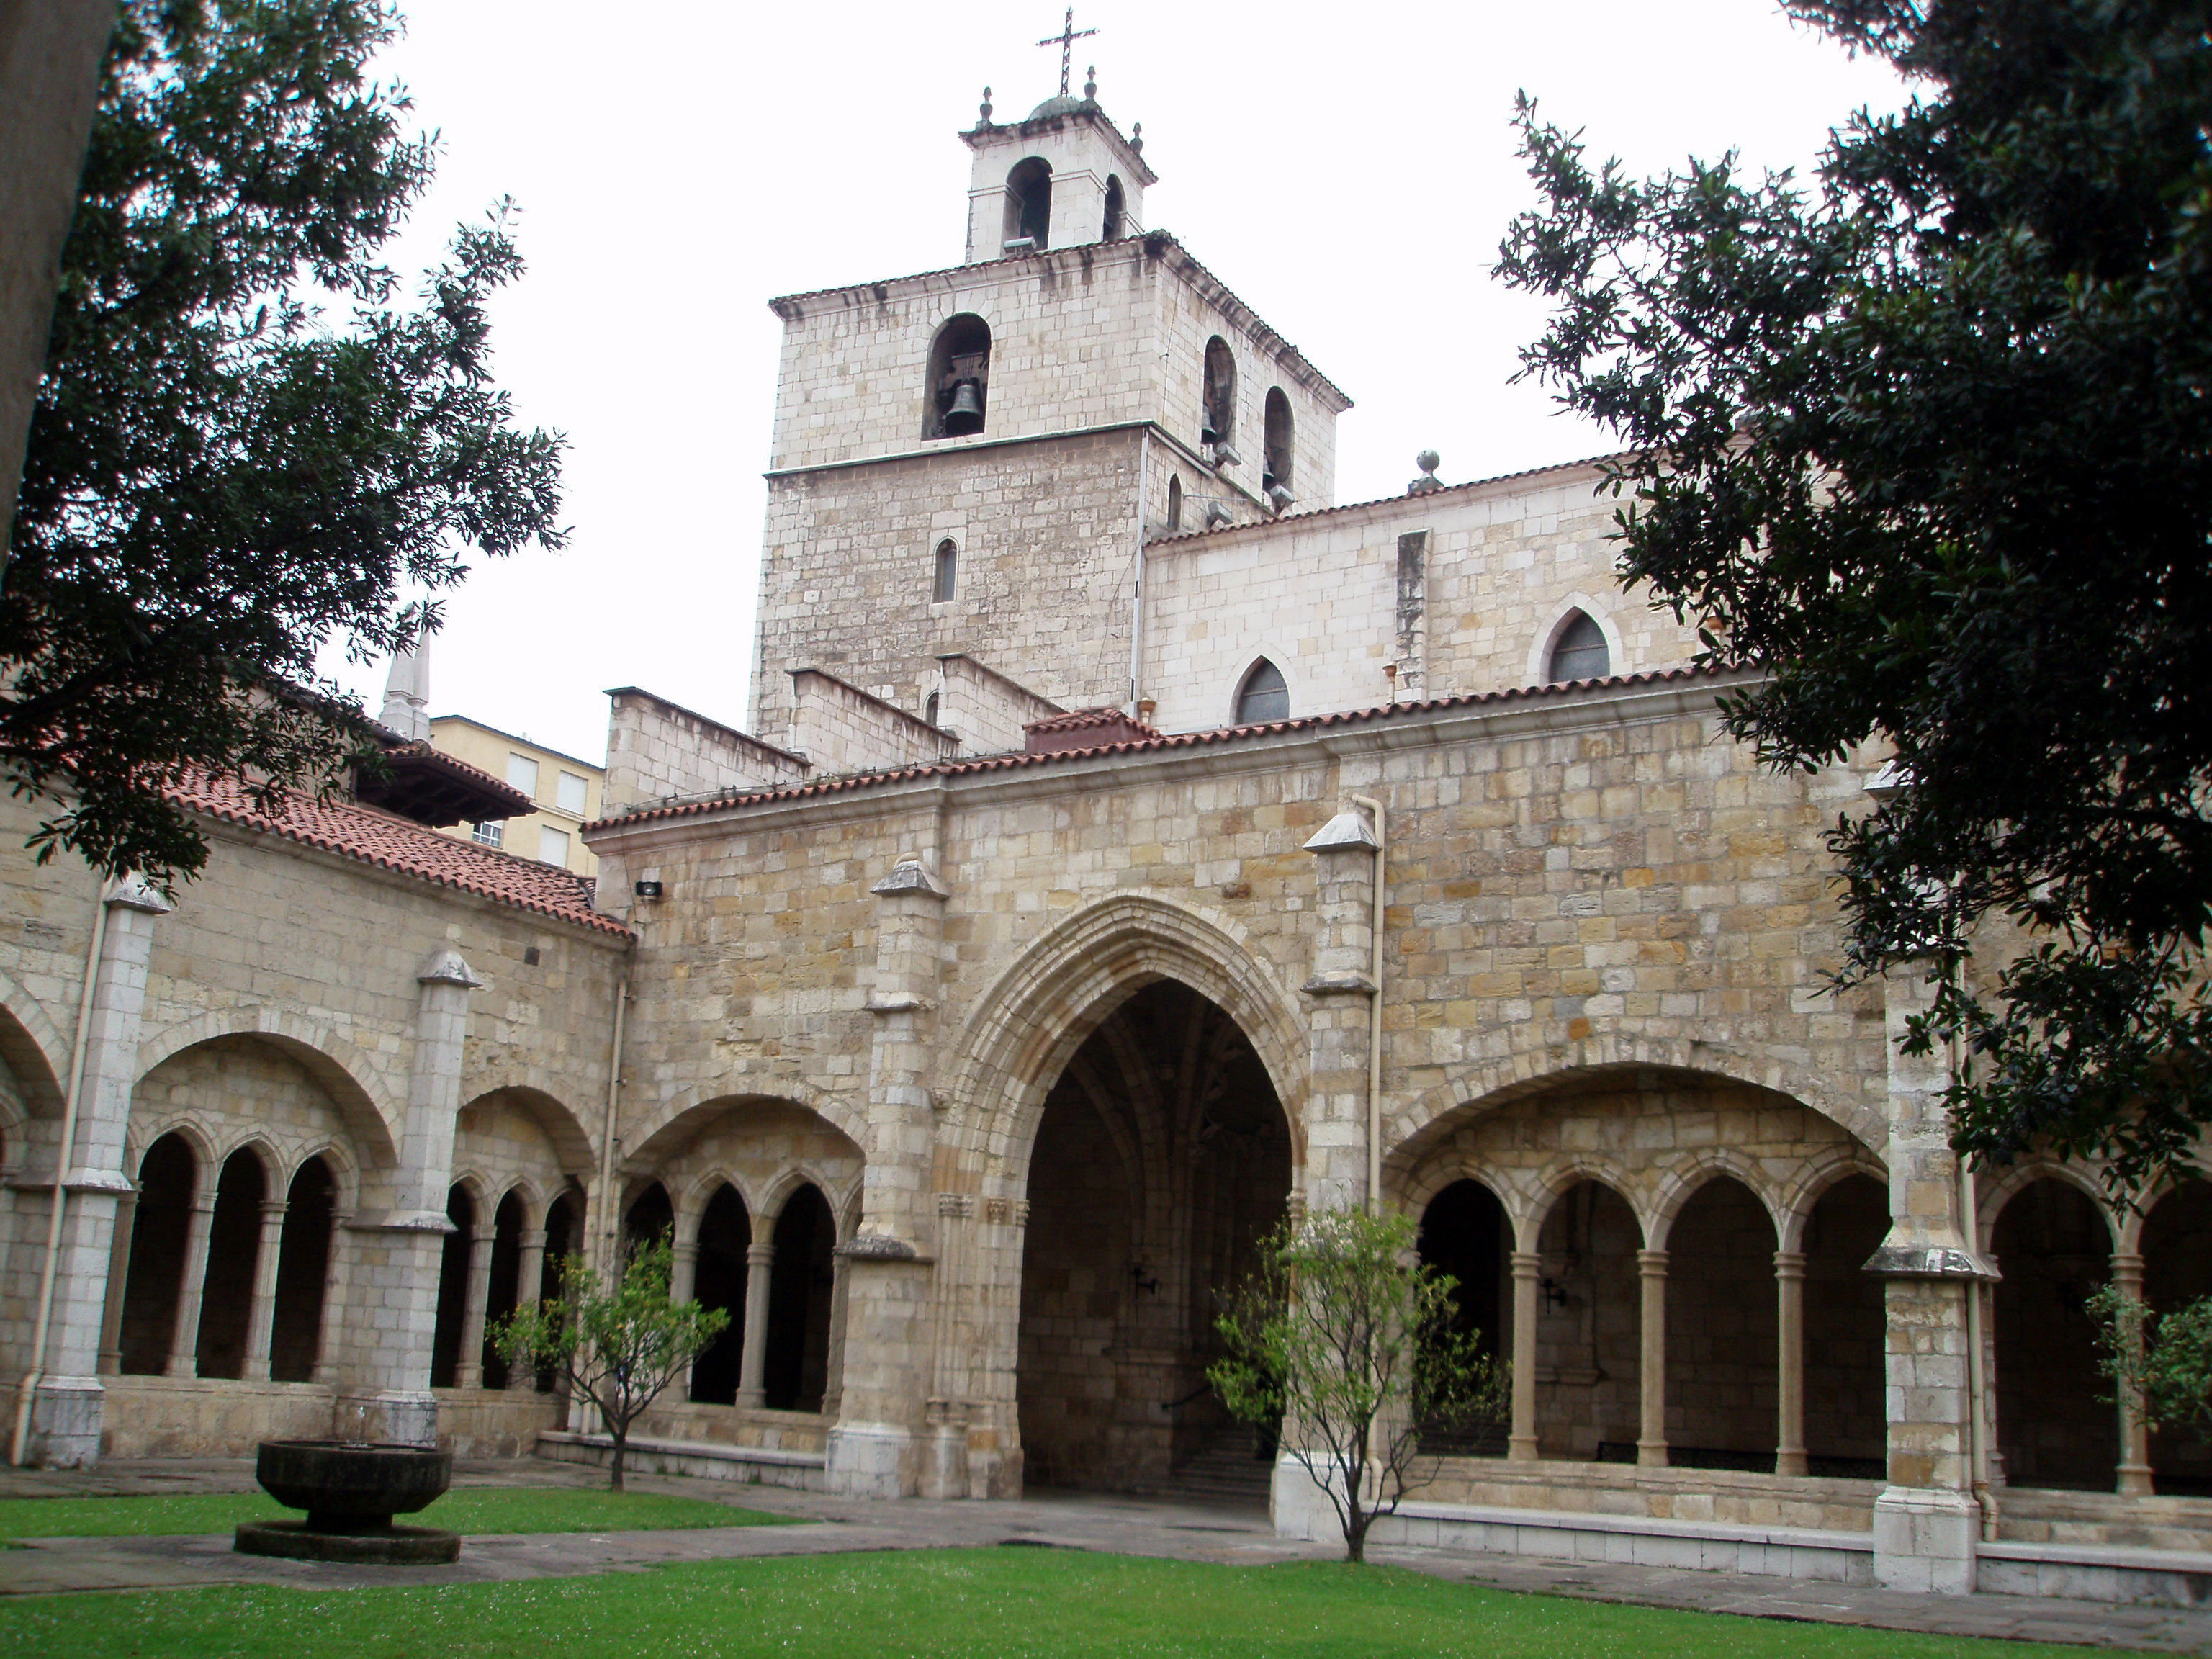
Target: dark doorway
x=1465, y=1234
x=303, y=1260
x=2055, y=1425
x=233, y=1249
x=453, y=1289
x=153, y=1281
x=795, y=1373
x=501, y=1296
x=1723, y=1332
x=1846, y=1428
x=725, y=1233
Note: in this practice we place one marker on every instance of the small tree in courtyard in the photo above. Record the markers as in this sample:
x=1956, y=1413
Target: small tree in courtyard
x=1347, y=1340
x=620, y=1347
x=2164, y=1361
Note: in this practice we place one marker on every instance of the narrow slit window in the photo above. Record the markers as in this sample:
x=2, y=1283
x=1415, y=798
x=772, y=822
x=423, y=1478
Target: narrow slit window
x=1113, y=211
x=1264, y=695
x=946, y=580
x=1175, y=503
x=930, y=705
x=1580, y=652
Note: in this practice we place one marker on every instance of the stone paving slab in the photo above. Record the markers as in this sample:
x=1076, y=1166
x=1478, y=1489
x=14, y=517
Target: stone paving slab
x=1131, y=1526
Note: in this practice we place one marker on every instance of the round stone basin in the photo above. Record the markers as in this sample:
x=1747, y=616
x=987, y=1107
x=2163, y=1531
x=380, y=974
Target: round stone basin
x=351, y=1486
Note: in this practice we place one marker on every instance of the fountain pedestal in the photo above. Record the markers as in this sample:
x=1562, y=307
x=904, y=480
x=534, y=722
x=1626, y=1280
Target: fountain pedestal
x=351, y=1491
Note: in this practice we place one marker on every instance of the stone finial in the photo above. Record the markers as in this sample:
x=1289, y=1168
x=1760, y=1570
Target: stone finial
x=1091, y=84
x=908, y=876
x=984, y=109
x=446, y=967
x=1137, y=138
x=1344, y=832
x=135, y=892
x=1428, y=460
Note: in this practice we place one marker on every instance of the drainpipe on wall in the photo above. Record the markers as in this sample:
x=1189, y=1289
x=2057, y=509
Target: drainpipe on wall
x=610, y=1225
x=26, y=1390
x=1137, y=594
x=1375, y=1015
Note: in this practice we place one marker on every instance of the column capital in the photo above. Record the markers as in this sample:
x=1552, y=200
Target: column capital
x=1790, y=1264
x=1527, y=1263
x=272, y=1209
x=534, y=1239
x=446, y=967
x=1652, y=1264
x=760, y=1255
x=135, y=892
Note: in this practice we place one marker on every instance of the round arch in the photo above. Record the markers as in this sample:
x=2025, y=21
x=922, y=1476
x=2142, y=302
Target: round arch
x=662, y=1138
x=1407, y=1132
x=1024, y=1028
x=375, y=1116
x=33, y=1049
x=572, y=1144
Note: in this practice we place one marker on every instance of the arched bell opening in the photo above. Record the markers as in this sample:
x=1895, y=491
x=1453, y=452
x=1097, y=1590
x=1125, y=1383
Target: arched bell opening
x=725, y=1233
x=303, y=1265
x=154, y=1280
x=1845, y=1330
x=1161, y=1157
x=795, y=1369
x=1280, y=449
x=957, y=395
x=1722, y=1332
x=2055, y=1425
x=1466, y=1234
x=233, y=1253
x=1589, y=1326
x=1175, y=503
x=1116, y=210
x=1219, y=422
x=1028, y=206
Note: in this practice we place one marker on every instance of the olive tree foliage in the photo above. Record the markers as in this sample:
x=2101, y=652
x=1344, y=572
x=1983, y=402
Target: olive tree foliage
x=2162, y=1361
x=619, y=1346
x=1353, y=1344
x=1927, y=438
x=242, y=449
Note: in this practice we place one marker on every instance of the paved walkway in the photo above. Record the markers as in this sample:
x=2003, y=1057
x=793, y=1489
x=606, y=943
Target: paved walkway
x=1234, y=1537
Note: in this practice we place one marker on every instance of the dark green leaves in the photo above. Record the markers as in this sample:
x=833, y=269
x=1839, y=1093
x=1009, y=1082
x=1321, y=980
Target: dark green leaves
x=226, y=468
x=1931, y=443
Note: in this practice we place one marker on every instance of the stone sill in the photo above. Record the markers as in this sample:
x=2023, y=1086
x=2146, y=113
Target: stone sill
x=721, y=1448
x=2117, y=1556
x=1710, y=1532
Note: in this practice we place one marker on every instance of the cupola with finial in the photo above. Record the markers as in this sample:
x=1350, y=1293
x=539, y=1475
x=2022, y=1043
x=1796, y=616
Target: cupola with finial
x=1060, y=177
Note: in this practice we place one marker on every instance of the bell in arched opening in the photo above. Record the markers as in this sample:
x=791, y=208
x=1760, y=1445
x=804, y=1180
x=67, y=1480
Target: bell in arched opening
x=964, y=417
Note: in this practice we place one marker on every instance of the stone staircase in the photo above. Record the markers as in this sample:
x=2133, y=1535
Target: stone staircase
x=1229, y=1472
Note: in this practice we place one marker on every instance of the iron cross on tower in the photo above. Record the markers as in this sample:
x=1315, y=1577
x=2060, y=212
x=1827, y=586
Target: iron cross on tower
x=1068, y=35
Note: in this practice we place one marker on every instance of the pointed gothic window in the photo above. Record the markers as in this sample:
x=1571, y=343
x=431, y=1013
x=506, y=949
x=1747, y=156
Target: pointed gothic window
x=1580, y=652
x=1175, y=503
x=1220, y=424
x=1028, y=206
x=1113, y=211
x=1276, y=468
x=947, y=581
x=958, y=390
x=1263, y=697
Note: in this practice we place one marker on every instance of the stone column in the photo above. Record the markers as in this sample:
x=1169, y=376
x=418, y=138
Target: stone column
x=335, y=1280
x=2134, y=1477
x=1527, y=1299
x=1927, y=1521
x=994, y=1431
x=468, y=1369
x=397, y=1256
x=1651, y=1360
x=874, y=1449
x=528, y=1279
x=752, y=1354
x=118, y=1274
x=261, y=1320
x=1338, y=995
x=1789, y=1362
x=66, y=1410
x=683, y=1284
x=944, y=1457
x=185, y=1339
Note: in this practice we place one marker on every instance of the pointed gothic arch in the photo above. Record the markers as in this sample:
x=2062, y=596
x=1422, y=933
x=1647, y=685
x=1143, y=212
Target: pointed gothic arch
x=1263, y=696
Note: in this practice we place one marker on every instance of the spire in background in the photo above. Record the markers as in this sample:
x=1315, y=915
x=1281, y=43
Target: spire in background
x=407, y=691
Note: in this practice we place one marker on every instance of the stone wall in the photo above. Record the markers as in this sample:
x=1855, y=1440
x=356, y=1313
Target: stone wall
x=838, y=727
x=657, y=751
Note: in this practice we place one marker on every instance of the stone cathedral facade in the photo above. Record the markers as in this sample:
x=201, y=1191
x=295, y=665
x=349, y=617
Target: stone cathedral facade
x=1132, y=846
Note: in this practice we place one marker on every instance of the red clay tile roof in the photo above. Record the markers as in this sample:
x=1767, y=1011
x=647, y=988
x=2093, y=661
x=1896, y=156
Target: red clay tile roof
x=1150, y=746
x=1084, y=728
x=392, y=842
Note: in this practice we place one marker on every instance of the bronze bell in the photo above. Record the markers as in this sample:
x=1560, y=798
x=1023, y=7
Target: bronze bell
x=966, y=414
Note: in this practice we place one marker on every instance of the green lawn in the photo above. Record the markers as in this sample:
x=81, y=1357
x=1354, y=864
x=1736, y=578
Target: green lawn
x=524, y=1509
x=1061, y=1603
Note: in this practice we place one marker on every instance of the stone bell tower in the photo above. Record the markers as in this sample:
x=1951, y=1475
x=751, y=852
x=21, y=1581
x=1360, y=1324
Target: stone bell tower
x=968, y=462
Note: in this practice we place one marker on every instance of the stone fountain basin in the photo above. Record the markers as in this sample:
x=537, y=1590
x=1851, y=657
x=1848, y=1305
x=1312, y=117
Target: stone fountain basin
x=350, y=1490
x=352, y=1486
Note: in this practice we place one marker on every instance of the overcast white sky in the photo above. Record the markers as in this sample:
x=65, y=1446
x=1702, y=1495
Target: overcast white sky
x=1348, y=170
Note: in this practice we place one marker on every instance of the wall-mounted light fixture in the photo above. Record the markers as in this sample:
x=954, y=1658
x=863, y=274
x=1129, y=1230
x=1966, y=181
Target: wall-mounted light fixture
x=646, y=889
